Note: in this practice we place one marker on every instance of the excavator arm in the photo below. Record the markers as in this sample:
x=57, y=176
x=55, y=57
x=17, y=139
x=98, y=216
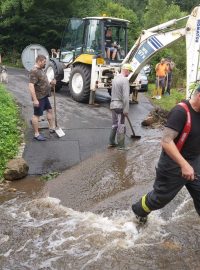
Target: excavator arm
x=157, y=38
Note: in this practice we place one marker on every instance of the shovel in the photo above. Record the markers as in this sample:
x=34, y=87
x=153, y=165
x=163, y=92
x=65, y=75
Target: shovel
x=133, y=136
x=58, y=130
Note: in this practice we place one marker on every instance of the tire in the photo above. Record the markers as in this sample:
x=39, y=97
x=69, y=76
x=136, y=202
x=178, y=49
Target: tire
x=55, y=70
x=144, y=88
x=79, y=83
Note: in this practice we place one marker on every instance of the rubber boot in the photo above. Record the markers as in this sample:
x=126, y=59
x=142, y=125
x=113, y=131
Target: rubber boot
x=140, y=219
x=121, y=141
x=112, y=138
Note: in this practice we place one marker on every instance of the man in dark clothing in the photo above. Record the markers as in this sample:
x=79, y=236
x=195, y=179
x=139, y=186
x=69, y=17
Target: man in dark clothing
x=40, y=88
x=171, y=66
x=109, y=45
x=176, y=169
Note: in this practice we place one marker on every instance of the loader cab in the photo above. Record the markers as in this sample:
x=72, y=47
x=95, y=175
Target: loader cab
x=87, y=37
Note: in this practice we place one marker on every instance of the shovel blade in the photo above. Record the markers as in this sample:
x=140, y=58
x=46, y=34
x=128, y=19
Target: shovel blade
x=60, y=132
x=136, y=137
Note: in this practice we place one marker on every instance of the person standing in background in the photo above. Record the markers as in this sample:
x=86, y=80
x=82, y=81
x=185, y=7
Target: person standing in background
x=171, y=66
x=161, y=73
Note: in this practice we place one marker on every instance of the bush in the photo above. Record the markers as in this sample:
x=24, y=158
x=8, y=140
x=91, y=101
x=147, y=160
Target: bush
x=9, y=128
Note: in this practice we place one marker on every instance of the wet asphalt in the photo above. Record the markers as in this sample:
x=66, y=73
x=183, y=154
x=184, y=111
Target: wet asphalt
x=86, y=127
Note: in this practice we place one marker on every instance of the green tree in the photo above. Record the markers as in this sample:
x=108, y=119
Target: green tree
x=137, y=6
x=33, y=21
x=43, y=22
x=152, y=17
x=186, y=5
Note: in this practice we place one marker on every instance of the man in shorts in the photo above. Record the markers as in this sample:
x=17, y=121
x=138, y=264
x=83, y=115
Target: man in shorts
x=40, y=88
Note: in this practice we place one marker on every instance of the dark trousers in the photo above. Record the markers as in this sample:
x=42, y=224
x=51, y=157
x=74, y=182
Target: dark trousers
x=169, y=82
x=118, y=121
x=167, y=184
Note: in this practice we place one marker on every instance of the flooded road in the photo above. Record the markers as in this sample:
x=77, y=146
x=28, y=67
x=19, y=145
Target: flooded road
x=83, y=220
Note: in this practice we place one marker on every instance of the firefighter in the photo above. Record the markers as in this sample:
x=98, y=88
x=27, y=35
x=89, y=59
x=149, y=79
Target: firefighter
x=176, y=168
x=120, y=106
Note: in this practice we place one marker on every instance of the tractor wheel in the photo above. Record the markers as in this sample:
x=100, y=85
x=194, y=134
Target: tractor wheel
x=55, y=71
x=79, y=83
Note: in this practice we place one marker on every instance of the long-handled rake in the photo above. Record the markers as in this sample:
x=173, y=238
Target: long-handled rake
x=133, y=136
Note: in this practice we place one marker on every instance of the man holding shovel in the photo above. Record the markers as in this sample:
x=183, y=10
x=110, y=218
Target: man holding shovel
x=119, y=106
x=40, y=88
x=161, y=73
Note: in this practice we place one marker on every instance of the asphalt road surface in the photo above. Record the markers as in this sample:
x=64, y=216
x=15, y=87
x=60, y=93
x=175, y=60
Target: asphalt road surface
x=86, y=127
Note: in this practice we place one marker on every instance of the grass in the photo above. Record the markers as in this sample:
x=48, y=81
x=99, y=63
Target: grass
x=49, y=176
x=9, y=128
x=166, y=102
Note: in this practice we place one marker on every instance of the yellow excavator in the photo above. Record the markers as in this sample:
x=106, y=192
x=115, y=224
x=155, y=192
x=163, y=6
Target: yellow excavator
x=83, y=63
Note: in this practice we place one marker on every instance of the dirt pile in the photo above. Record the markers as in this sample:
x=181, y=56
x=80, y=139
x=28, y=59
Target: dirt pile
x=156, y=118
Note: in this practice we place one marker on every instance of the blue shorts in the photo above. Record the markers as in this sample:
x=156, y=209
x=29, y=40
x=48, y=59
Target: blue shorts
x=44, y=105
x=112, y=49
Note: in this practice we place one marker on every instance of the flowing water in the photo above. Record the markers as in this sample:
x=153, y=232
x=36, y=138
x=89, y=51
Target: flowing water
x=44, y=227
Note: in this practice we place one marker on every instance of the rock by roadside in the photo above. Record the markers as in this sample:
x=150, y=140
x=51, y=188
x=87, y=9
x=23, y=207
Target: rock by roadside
x=16, y=169
x=156, y=118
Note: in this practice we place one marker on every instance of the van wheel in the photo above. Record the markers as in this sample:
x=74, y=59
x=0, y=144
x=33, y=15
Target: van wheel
x=79, y=83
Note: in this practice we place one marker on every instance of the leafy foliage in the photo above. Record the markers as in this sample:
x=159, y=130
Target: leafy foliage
x=49, y=176
x=186, y=5
x=9, y=128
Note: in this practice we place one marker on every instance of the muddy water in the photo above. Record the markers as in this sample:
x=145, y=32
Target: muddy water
x=83, y=220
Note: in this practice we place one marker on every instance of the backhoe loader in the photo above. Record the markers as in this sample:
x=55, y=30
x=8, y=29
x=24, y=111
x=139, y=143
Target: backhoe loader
x=85, y=67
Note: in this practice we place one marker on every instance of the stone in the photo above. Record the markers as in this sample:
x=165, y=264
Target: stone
x=148, y=121
x=16, y=169
x=12, y=189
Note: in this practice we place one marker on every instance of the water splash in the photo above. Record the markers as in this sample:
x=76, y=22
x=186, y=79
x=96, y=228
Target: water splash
x=51, y=232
